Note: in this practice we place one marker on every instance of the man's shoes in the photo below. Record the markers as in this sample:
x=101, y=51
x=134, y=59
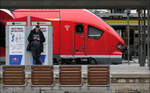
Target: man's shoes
x=39, y=63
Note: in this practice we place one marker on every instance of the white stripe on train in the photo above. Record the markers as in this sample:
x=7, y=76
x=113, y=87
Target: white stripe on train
x=93, y=56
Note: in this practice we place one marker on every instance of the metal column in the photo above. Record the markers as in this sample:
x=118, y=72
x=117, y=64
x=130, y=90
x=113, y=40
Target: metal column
x=144, y=38
x=148, y=33
x=7, y=45
x=148, y=29
x=28, y=56
x=142, y=44
x=139, y=36
x=128, y=28
x=50, y=46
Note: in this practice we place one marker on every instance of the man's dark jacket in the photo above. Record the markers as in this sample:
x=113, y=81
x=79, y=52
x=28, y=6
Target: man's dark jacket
x=30, y=39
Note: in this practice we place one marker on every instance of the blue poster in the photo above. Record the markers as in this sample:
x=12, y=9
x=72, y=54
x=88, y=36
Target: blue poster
x=15, y=59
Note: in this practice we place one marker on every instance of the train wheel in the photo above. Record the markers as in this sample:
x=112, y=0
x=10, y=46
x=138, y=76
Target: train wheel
x=93, y=61
x=60, y=62
x=55, y=62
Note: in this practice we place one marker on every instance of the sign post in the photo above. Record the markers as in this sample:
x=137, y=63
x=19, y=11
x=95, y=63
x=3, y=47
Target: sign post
x=15, y=43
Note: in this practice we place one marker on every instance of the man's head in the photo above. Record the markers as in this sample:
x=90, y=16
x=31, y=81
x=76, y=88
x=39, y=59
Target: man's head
x=37, y=28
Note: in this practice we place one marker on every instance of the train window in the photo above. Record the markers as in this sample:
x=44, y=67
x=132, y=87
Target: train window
x=94, y=32
x=2, y=35
x=79, y=29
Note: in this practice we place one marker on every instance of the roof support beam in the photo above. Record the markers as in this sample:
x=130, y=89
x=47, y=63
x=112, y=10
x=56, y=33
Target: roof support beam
x=74, y=4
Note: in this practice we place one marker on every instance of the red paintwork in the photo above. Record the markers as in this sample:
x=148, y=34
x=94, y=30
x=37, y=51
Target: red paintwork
x=2, y=52
x=66, y=42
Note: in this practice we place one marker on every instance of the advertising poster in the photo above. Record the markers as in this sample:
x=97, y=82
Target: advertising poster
x=16, y=45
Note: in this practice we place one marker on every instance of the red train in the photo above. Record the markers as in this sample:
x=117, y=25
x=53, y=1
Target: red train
x=79, y=36
x=4, y=16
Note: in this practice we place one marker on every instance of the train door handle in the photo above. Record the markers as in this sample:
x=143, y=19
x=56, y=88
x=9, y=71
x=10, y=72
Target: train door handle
x=82, y=36
x=82, y=47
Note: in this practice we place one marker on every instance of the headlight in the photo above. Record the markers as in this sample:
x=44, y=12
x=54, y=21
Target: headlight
x=121, y=47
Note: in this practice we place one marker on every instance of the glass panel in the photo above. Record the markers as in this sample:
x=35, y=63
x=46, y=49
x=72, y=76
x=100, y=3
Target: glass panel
x=94, y=33
x=79, y=29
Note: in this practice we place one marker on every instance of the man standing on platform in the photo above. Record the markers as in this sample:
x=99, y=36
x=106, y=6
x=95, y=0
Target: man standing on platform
x=36, y=40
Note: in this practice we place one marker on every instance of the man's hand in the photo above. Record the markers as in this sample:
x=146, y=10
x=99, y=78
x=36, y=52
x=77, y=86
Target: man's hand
x=34, y=38
x=38, y=38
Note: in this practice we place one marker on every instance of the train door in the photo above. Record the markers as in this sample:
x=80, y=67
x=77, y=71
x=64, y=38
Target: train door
x=66, y=35
x=80, y=39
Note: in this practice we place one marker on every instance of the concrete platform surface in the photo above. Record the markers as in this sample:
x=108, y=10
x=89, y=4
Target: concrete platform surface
x=132, y=68
x=125, y=78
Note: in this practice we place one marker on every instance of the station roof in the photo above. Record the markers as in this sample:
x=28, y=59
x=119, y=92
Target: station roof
x=134, y=4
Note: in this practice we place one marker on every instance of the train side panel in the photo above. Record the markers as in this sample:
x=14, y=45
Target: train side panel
x=66, y=35
x=56, y=37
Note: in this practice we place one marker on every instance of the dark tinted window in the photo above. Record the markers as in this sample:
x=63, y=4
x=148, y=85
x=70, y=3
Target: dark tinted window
x=2, y=35
x=79, y=29
x=94, y=33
